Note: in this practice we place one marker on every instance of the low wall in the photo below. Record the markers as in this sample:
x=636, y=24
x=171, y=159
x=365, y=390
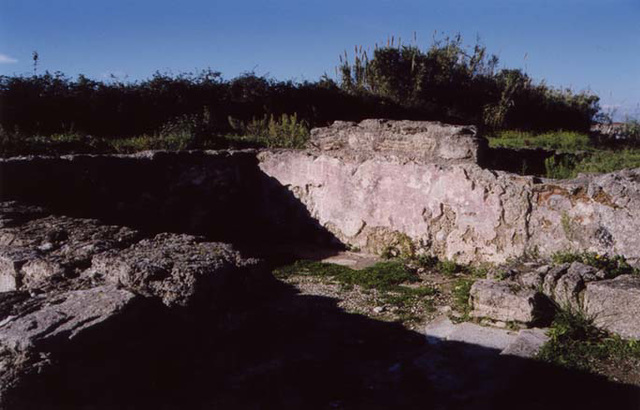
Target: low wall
x=450, y=206
x=377, y=196
x=222, y=195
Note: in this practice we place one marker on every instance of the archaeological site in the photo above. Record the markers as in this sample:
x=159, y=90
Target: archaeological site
x=389, y=264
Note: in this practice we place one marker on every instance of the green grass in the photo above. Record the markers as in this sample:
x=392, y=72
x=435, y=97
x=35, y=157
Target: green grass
x=613, y=265
x=389, y=278
x=576, y=343
x=591, y=158
x=609, y=161
x=461, y=291
x=566, y=141
x=383, y=276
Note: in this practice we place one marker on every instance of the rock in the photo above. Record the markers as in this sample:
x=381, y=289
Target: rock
x=551, y=279
x=11, y=262
x=181, y=270
x=570, y=285
x=482, y=336
x=422, y=141
x=527, y=344
x=507, y=301
x=36, y=332
x=44, y=251
x=439, y=330
x=615, y=305
x=534, y=279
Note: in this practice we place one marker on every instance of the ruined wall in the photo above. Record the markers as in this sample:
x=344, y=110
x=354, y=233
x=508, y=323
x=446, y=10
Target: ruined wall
x=452, y=207
x=222, y=195
x=373, y=185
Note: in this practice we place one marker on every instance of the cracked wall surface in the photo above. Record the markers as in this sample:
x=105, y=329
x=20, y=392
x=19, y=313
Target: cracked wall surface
x=453, y=208
x=417, y=186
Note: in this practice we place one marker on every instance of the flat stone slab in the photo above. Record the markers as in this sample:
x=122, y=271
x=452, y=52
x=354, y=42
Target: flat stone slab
x=353, y=260
x=439, y=330
x=488, y=337
x=506, y=301
x=527, y=344
x=615, y=305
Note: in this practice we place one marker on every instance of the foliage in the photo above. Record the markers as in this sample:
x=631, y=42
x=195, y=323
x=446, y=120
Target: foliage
x=54, y=103
x=446, y=267
x=576, y=152
x=283, y=132
x=381, y=276
x=612, y=265
x=388, y=279
x=461, y=293
x=576, y=343
x=568, y=141
x=560, y=168
x=449, y=80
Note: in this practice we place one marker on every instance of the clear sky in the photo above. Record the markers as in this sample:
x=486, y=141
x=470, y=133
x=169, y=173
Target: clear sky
x=581, y=44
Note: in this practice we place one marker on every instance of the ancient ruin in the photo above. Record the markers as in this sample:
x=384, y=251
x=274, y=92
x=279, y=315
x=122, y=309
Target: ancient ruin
x=112, y=262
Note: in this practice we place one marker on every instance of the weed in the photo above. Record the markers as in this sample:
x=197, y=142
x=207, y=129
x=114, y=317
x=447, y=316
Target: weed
x=612, y=265
x=576, y=343
x=284, y=132
x=566, y=141
x=385, y=278
x=461, y=293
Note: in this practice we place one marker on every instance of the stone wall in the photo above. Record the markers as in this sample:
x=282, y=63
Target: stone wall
x=222, y=195
x=454, y=209
x=377, y=185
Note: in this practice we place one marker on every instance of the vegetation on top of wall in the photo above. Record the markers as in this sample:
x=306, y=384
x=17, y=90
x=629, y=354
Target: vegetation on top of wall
x=448, y=81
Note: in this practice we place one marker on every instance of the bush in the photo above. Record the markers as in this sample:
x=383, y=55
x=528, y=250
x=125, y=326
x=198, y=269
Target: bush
x=447, y=82
x=284, y=132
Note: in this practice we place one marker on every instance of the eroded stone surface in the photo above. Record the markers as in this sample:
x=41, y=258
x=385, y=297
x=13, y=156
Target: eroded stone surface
x=50, y=250
x=615, y=304
x=507, y=301
x=34, y=331
x=527, y=344
x=423, y=141
x=179, y=269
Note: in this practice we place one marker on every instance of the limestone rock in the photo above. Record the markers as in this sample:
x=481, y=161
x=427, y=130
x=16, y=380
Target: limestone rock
x=615, y=305
x=533, y=279
x=181, y=270
x=570, y=285
x=35, y=332
x=551, y=279
x=422, y=141
x=490, y=338
x=37, y=253
x=527, y=344
x=507, y=301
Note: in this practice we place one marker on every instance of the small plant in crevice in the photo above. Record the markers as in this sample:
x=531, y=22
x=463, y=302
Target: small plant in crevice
x=612, y=265
x=461, y=295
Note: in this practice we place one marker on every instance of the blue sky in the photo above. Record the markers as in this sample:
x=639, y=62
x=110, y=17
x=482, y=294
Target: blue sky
x=582, y=44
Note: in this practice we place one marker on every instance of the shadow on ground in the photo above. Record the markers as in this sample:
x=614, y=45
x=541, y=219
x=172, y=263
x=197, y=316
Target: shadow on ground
x=292, y=351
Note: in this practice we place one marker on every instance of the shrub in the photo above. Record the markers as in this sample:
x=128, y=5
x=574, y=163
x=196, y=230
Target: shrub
x=284, y=132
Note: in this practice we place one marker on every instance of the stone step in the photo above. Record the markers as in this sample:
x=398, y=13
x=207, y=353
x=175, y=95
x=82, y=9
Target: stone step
x=524, y=343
